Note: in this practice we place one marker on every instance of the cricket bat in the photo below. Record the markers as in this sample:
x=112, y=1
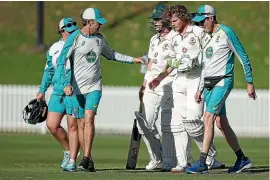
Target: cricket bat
x=134, y=145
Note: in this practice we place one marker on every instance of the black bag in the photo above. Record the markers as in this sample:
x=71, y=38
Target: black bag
x=211, y=81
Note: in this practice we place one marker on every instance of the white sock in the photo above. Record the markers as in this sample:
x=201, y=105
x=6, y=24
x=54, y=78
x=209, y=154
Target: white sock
x=71, y=161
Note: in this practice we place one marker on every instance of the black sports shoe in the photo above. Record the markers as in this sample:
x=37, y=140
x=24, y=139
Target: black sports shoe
x=91, y=166
x=84, y=164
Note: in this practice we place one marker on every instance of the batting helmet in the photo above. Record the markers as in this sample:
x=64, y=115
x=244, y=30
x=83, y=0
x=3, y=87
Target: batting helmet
x=157, y=15
x=35, y=112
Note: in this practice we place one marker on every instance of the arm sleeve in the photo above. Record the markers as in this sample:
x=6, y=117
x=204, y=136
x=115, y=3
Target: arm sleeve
x=110, y=54
x=47, y=75
x=65, y=54
x=241, y=54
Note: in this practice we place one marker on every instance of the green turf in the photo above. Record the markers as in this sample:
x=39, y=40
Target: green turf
x=38, y=158
x=127, y=32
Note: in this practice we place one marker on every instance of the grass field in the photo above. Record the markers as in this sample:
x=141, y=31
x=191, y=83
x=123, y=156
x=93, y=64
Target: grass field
x=35, y=157
x=127, y=32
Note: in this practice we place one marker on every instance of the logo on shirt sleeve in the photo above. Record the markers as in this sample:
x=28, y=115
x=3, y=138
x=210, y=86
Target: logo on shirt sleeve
x=98, y=43
x=217, y=39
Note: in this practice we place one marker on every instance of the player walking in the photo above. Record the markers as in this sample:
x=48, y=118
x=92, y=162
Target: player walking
x=158, y=99
x=59, y=105
x=217, y=82
x=186, y=115
x=84, y=48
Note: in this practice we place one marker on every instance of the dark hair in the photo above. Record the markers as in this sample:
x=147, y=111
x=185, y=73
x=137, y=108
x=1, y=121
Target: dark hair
x=215, y=20
x=59, y=31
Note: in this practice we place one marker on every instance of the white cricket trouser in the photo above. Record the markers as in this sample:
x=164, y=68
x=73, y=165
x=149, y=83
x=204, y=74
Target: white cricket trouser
x=187, y=110
x=153, y=101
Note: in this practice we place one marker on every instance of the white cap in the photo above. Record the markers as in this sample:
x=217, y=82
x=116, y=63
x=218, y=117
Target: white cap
x=203, y=12
x=95, y=14
x=67, y=24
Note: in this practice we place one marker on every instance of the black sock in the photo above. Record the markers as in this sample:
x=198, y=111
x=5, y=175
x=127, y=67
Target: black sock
x=85, y=157
x=239, y=154
x=203, y=157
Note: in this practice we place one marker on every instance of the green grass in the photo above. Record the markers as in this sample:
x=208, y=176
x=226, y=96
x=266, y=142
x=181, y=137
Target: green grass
x=127, y=32
x=38, y=157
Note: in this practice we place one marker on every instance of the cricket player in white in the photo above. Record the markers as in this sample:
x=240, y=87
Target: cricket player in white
x=217, y=82
x=186, y=115
x=158, y=99
x=84, y=48
x=60, y=105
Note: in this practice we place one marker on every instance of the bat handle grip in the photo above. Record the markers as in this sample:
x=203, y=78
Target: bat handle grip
x=140, y=107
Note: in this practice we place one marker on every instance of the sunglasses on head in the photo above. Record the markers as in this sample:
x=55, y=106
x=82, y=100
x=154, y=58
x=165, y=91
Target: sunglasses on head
x=70, y=24
x=201, y=14
x=156, y=19
x=202, y=22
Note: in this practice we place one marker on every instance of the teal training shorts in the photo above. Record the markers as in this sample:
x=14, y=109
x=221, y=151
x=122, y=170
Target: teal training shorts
x=89, y=101
x=215, y=98
x=65, y=105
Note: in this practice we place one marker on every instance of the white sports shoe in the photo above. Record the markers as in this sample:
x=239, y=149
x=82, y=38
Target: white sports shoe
x=153, y=165
x=216, y=165
x=178, y=169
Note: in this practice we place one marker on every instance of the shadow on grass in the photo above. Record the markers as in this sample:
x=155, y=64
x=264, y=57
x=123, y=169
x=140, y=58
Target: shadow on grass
x=258, y=169
x=255, y=169
x=140, y=170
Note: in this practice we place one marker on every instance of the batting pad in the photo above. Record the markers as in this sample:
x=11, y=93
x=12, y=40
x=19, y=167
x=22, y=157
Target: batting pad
x=152, y=143
x=153, y=146
x=194, y=128
x=168, y=151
